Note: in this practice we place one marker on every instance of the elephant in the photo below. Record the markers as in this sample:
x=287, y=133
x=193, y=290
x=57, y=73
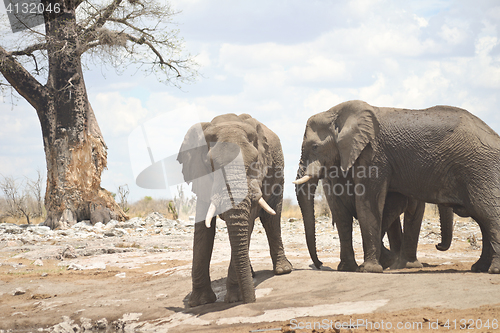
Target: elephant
x=235, y=165
x=342, y=207
x=442, y=155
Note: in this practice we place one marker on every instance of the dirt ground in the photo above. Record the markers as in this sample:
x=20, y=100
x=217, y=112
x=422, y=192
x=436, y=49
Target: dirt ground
x=139, y=282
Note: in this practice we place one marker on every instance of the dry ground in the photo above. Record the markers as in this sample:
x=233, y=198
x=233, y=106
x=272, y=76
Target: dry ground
x=145, y=289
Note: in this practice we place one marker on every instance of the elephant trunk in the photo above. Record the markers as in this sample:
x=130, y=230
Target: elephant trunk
x=238, y=230
x=305, y=197
x=446, y=221
x=313, y=170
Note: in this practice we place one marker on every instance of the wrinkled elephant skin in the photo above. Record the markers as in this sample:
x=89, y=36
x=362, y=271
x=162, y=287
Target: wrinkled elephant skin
x=442, y=155
x=235, y=165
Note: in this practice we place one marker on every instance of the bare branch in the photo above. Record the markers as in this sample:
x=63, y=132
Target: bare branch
x=105, y=14
x=24, y=83
x=30, y=49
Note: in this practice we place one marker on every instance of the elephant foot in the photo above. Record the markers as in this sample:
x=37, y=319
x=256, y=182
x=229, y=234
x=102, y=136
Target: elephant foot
x=233, y=294
x=283, y=266
x=387, y=258
x=482, y=265
x=201, y=296
x=494, y=267
x=414, y=264
x=371, y=267
x=348, y=266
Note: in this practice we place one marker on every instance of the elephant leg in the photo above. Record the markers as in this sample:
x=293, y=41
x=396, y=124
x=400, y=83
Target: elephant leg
x=203, y=243
x=272, y=226
x=414, y=214
x=395, y=236
x=239, y=283
x=370, y=208
x=343, y=221
x=395, y=204
x=342, y=218
x=233, y=293
x=484, y=261
x=390, y=258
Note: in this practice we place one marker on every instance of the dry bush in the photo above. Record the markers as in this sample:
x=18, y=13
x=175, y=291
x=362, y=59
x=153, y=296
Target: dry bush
x=290, y=210
x=148, y=205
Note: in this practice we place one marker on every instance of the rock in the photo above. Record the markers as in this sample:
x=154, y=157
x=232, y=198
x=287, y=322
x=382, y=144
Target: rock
x=83, y=225
x=135, y=222
x=10, y=228
x=66, y=326
x=19, y=291
x=69, y=252
x=121, y=275
x=40, y=230
x=99, y=225
x=86, y=324
x=76, y=267
x=101, y=324
x=153, y=218
x=111, y=224
x=44, y=274
x=38, y=262
x=115, y=232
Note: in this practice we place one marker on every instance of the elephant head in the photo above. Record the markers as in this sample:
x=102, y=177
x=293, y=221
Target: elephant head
x=333, y=141
x=225, y=160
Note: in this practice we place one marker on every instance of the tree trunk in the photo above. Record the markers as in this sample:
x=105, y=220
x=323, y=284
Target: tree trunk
x=74, y=148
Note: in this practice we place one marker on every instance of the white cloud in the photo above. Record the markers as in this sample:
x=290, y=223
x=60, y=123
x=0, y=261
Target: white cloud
x=117, y=113
x=284, y=62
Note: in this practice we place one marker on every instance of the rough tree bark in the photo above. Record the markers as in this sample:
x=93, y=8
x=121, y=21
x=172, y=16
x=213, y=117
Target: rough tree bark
x=74, y=147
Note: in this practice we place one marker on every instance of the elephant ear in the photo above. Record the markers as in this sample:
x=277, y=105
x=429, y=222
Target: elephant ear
x=263, y=144
x=359, y=128
x=193, y=154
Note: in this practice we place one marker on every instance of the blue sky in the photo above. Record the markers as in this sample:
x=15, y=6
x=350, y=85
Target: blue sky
x=283, y=61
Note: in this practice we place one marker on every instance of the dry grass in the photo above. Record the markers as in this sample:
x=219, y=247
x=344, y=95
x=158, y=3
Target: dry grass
x=148, y=205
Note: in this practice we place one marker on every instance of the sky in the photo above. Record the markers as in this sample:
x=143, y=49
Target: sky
x=282, y=62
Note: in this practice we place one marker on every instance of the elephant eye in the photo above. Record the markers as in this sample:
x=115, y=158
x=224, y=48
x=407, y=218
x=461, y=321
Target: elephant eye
x=315, y=146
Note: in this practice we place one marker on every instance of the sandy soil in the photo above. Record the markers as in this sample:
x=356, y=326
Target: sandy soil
x=139, y=282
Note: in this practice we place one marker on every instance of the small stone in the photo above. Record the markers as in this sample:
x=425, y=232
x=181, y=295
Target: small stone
x=38, y=262
x=44, y=274
x=69, y=252
x=99, y=225
x=86, y=323
x=101, y=324
x=19, y=291
x=76, y=267
x=121, y=275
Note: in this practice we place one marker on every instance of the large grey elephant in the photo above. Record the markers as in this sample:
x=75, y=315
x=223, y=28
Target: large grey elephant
x=235, y=165
x=343, y=209
x=442, y=155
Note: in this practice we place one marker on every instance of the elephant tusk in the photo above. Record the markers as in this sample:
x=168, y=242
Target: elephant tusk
x=302, y=180
x=266, y=207
x=210, y=214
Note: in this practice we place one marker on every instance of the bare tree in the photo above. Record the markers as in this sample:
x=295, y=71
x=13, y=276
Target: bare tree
x=123, y=192
x=16, y=198
x=34, y=187
x=46, y=68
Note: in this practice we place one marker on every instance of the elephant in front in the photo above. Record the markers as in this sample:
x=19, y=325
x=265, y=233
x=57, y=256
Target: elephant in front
x=343, y=209
x=442, y=155
x=235, y=165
